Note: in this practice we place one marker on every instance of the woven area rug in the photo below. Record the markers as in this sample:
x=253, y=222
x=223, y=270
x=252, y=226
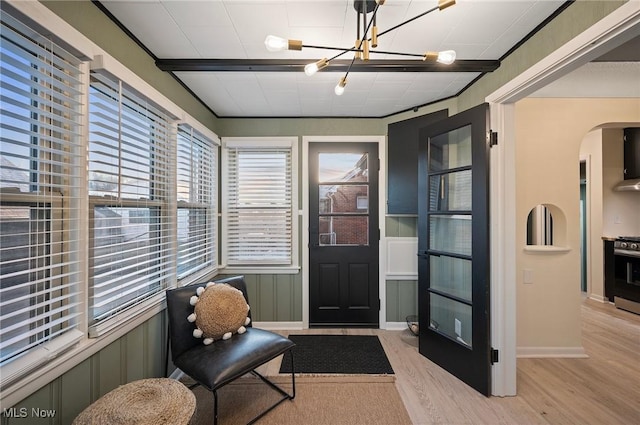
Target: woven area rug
x=337, y=354
x=320, y=400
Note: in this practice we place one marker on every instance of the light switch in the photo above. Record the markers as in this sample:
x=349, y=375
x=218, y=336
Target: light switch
x=528, y=276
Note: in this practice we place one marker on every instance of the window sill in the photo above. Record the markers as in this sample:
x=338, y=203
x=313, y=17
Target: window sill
x=151, y=306
x=546, y=249
x=259, y=270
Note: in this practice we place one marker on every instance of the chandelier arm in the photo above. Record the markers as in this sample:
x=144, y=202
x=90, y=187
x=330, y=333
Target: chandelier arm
x=353, y=49
x=382, y=52
x=342, y=49
x=349, y=69
x=407, y=21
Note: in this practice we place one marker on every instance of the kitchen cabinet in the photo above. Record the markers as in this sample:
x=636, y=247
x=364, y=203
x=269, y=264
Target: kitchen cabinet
x=632, y=153
x=402, y=162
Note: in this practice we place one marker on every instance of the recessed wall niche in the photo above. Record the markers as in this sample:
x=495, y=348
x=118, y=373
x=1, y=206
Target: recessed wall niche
x=546, y=229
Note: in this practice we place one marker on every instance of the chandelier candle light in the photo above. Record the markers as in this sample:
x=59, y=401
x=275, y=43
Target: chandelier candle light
x=364, y=44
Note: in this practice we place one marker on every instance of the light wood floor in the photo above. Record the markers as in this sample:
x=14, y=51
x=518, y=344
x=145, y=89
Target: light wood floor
x=601, y=390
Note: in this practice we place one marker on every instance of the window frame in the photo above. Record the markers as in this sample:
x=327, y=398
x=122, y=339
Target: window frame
x=206, y=136
x=161, y=195
x=53, y=94
x=285, y=142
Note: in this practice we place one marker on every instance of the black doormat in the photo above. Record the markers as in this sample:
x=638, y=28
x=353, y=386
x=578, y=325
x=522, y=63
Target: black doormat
x=344, y=354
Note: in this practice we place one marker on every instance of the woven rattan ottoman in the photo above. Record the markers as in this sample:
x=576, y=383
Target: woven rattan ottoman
x=154, y=401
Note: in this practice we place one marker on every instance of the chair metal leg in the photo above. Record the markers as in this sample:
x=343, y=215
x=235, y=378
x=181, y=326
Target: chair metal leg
x=285, y=394
x=215, y=407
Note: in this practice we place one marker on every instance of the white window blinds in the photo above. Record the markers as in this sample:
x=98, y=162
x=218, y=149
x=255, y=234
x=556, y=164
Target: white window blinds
x=40, y=172
x=130, y=180
x=258, y=219
x=197, y=202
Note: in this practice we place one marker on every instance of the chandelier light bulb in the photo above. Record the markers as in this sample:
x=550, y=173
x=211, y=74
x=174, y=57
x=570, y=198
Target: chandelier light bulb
x=312, y=68
x=276, y=44
x=446, y=57
x=340, y=86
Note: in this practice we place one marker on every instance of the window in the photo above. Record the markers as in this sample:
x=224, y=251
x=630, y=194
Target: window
x=197, y=201
x=40, y=203
x=130, y=187
x=260, y=189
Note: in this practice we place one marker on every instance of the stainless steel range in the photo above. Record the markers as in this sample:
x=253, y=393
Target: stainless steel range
x=626, y=250
x=627, y=245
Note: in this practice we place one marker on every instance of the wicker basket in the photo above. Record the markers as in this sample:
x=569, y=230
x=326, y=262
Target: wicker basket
x=413, y=325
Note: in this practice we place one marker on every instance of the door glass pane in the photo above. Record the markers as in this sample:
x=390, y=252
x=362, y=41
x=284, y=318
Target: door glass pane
x=343, y=199
x=344, y=230
x=450, y=233
x=343, y=167
x=451, y=276
x=450, y=150
x=451, y=318
x=450, y=192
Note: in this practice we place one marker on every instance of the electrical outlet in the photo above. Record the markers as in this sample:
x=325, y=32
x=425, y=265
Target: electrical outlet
x=458, y=326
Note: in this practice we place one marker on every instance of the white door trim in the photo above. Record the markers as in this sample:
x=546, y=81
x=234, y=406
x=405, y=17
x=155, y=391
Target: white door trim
x=382, y=198
x=614, y=29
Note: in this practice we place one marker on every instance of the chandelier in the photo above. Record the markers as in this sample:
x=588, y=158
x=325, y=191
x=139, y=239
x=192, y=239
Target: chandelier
x=365, y=42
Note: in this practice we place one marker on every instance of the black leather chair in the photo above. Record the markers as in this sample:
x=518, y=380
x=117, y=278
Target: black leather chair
x=215, y=365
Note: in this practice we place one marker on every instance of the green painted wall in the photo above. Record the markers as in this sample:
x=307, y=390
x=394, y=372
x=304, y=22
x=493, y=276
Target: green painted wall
x=139, y=354
x=401, y=226
x=402, y=299
x=274, y=297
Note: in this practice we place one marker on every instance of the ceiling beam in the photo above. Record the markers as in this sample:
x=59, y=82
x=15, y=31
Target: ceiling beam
x=338, y=65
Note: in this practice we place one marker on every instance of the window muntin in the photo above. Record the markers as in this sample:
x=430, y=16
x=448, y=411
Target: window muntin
x=40, y=203
x=129, y=187
x=197, y=179
x=343, y=199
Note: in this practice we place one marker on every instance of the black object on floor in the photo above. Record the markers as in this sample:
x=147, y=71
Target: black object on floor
x=344, y=354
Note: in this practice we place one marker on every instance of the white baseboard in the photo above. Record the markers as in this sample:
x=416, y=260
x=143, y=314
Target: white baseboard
x=396, y=326
x=599, y=298
x=551, y=352
x=279, y=326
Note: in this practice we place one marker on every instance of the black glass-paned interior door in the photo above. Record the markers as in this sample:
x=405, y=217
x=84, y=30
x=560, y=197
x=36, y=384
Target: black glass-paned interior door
x=453, y=246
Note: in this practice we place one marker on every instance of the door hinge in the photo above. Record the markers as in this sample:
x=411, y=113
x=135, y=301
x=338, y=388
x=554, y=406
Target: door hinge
x=378, y=234
x=494, y=356
x=492, y=138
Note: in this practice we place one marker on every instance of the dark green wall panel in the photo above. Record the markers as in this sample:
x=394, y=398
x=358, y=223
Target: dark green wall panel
x=135, y=350
x=401, y=226
x=111, y=370
x=402, y=299
x=75, y=385
x=274, y=297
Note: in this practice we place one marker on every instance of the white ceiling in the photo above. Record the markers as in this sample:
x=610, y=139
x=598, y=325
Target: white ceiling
x=236, y=29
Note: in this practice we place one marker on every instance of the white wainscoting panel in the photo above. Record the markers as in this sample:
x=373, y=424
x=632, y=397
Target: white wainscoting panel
x=402, y=258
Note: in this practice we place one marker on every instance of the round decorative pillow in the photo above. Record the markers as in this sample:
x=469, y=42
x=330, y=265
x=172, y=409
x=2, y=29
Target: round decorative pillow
x=220, y=311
